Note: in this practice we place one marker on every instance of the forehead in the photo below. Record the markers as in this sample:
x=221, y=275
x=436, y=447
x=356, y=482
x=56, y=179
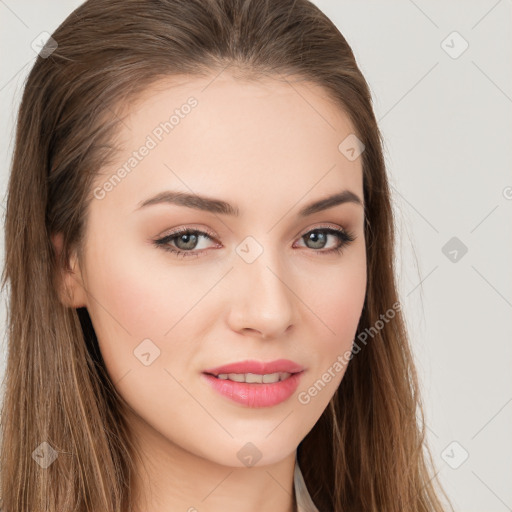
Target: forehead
x=215, y=133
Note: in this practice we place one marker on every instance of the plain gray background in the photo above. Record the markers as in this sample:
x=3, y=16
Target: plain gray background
x=441, y=78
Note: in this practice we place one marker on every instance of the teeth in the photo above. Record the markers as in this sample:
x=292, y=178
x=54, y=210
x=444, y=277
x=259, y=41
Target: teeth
x=251, y=378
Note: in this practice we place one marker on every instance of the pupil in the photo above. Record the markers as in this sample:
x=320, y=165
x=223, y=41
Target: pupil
x=317, y=238
x=190, y=238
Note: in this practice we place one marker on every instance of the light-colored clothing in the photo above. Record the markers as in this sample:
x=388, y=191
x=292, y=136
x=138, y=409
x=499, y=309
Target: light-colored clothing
x=304, y=501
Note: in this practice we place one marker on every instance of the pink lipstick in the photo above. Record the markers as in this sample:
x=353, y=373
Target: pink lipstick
x=256, y=383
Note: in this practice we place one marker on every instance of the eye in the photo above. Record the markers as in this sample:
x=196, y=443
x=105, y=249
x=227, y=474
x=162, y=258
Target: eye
x=318, y=237
x=184, y=241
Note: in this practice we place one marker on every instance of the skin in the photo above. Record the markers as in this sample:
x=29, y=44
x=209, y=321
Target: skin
x=270, y=149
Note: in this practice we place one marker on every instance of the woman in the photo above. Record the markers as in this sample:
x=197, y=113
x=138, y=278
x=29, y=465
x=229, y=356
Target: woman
x=199, y=248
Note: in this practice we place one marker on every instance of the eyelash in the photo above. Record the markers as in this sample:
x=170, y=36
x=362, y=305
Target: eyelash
x=345, y=237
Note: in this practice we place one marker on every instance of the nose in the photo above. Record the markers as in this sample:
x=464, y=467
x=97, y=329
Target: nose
x=263, y=302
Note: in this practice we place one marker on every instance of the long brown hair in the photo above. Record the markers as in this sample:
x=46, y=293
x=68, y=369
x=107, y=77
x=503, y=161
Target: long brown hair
x=367, y=452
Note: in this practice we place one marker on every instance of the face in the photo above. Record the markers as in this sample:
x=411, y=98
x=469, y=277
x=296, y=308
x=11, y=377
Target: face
x=263, y=279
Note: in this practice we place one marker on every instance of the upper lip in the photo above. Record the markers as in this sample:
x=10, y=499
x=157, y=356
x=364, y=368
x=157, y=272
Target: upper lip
x=257, y=367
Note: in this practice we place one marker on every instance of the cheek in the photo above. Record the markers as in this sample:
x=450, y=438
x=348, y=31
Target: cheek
x=336, y=297
x=338, y=309
x=132, y=302
x=341, y=305
x=336, y=302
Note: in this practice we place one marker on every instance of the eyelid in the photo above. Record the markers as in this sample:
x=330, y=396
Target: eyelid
x=191, y=227
x=344, y=236
x=324, y=225
x=212, y=235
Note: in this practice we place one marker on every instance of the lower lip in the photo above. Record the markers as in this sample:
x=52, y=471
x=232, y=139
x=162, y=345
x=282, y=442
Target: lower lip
x=255, y=394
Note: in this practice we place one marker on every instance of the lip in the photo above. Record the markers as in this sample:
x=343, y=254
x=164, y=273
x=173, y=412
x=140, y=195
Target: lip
x=257, y=367
x=256, y=394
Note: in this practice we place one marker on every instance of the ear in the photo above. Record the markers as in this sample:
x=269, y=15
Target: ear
x=69, y=281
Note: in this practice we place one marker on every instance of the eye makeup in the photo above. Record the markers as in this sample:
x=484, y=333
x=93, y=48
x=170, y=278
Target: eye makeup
x=168, y=242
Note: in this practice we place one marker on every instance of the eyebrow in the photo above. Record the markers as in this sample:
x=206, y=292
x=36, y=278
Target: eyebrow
x=213, y=205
